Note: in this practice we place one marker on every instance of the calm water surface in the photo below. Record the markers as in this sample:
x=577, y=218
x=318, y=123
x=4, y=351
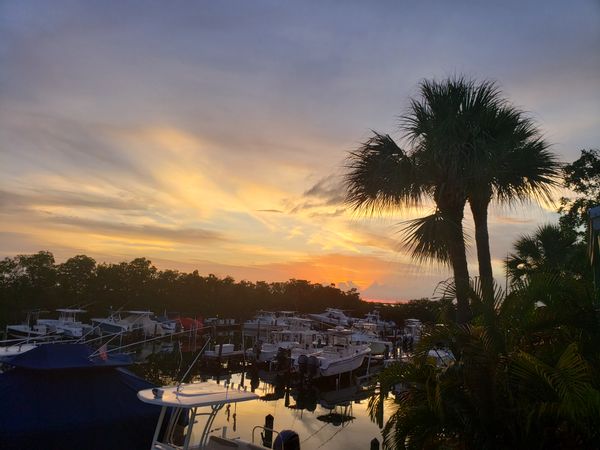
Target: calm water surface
x=324, y=416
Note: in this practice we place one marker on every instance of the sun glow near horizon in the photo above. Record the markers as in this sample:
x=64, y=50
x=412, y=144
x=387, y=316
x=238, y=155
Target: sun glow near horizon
x=140, y=137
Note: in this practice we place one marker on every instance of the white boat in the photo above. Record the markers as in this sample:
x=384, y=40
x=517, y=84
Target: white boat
x=334, y=317
x=339, y=356
x=189, y=402
x=364, y=336
x=268, y=320
x=169, y=326
x=373, y=319
x=297, y=341
x=413, y=328
x=129, y=322
x=30, y=329
x=67, y=322
x=16, y=349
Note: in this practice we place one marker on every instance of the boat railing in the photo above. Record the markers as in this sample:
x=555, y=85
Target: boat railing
x=133, y=344
x=265, y=430
x=204, y=347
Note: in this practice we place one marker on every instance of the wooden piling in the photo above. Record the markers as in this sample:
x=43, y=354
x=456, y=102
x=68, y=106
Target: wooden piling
x=267, y=434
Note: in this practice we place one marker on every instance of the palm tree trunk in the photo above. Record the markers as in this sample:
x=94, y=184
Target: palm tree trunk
x=458, y=258
x=479, y=208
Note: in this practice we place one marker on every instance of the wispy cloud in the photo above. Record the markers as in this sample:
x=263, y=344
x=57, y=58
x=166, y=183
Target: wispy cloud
x=128, y=134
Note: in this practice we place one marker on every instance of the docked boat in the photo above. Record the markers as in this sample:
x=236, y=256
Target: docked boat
x=68, y=396
x=265, y=320
x=373, y=321
x=413, y=328
x=129, y=322
x=169, y=326
x=184, y=404
x=364, y=336
x=340, y=355
x=297, y=341
x=15, y=349
x=31, y=330
x=333, y=317
x=67, y=322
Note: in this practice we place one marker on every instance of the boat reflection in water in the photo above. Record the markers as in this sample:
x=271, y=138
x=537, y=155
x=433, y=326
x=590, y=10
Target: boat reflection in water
x=326, y=412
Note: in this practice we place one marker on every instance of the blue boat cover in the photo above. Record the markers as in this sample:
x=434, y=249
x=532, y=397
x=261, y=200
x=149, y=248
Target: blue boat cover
x=68, y=403
x=65, y=356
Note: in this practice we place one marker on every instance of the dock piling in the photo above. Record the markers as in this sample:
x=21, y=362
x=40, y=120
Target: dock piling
x=267, y=434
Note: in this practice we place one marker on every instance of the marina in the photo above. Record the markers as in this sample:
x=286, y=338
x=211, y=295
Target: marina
x=312, y=381
x=299, y=225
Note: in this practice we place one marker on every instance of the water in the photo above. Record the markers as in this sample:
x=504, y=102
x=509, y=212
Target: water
x=327, y=416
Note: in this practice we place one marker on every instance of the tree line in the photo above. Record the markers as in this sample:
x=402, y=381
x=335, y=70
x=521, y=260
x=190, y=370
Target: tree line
x=36, y=281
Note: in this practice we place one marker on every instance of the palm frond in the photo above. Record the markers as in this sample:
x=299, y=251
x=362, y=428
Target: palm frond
x=380, y=175
x=426, y=238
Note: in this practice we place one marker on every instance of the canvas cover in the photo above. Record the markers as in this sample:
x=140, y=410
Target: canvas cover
x=58, y=398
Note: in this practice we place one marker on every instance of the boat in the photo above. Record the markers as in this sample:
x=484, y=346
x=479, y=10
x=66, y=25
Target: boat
x=365, y=336
x=263, y=320
x=30, y=329
x=65, y=395
x=170, y=325
x=67, y=322
x=129, y=322
x=413, y=328
x=181, y=408
x=373, y=321
x=111, y=324
x=339, y=356
x=296, y=333
x=195, y=325
x=333, y=317
x=297, y=341
x=15, y=349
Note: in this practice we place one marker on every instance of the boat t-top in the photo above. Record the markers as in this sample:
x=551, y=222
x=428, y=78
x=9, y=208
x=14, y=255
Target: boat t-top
x=31, y=329
x=186, y=403
x=67, y=322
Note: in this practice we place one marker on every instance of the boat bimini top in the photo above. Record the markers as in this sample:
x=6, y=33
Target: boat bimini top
x=186, y=399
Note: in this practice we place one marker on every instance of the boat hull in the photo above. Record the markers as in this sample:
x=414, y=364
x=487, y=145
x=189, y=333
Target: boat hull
x=343, y=365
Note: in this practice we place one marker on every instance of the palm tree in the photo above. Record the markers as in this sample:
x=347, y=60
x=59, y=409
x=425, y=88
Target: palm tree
x=550, y=249
x=510, y=162
x=439, y=130
x=382, y=175
x=466, y=143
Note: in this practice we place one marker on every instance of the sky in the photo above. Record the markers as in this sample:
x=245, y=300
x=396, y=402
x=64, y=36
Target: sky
x=213, y=135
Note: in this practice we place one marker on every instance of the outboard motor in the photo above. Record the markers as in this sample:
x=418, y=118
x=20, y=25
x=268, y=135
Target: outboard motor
x=287, y=440
x=302, y=363
x=313, y=365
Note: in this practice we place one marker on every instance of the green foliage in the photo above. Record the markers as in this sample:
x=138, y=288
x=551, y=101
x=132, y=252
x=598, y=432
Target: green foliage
x=526, y=375
x=582, y=177
x=550, y=249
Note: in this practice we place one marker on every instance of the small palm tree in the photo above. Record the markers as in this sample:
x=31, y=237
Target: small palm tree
x=550, y=249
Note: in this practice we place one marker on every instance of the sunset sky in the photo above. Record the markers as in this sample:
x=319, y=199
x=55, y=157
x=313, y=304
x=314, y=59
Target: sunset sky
x=212, y=135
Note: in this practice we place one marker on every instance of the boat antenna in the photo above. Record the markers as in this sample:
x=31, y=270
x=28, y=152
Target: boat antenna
x=193, y=363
